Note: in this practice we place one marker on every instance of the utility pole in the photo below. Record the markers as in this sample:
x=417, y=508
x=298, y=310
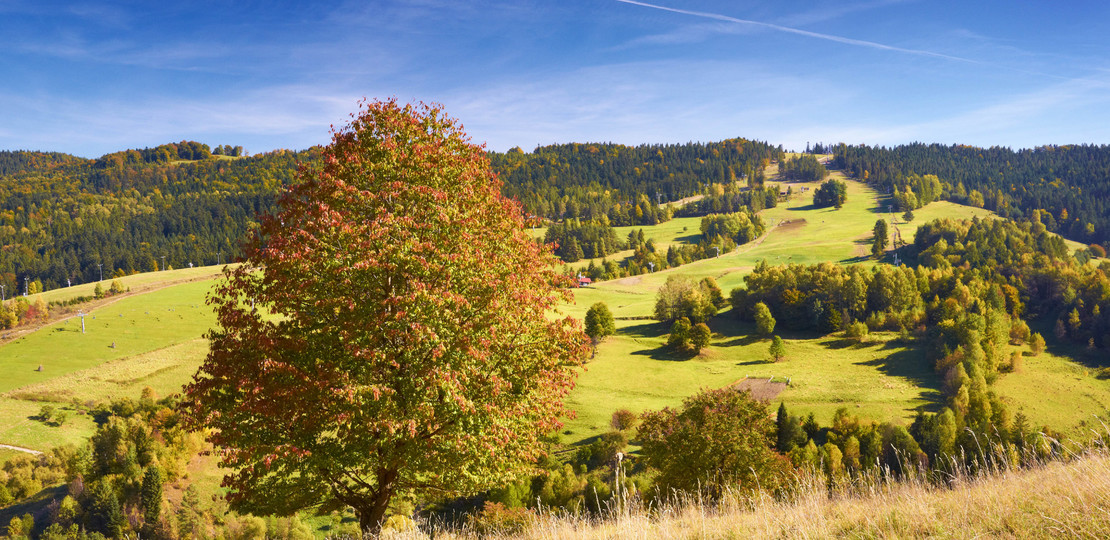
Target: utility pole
x=2, y=295
x=101, y=268
x=163, y=263
x=82, y=315
x=617, y=478
x=24, y=285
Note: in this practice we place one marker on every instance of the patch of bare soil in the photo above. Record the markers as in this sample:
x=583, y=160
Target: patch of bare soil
x=631, y=280
x=792, y=224
x=761, y=389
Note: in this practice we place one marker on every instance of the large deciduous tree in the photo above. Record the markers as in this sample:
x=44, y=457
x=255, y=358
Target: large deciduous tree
x=387, y=335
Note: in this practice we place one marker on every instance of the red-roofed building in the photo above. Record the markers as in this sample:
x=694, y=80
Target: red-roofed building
x=584, y=281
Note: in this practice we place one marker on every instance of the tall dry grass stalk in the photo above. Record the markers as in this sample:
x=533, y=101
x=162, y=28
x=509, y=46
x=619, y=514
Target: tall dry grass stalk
x=1065, y=497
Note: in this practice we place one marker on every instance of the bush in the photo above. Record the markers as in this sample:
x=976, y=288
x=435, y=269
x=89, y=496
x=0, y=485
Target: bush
x=764, y=321
x=680, y=335
x=719, y=439
x=700, y=336
x=857, y=331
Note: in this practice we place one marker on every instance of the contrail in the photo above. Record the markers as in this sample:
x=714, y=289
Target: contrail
x=789, y=30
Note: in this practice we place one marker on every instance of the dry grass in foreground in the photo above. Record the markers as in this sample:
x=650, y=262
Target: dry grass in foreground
x=1061, y=499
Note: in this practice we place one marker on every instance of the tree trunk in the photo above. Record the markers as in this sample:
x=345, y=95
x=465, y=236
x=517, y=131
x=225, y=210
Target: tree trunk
x=371, y=516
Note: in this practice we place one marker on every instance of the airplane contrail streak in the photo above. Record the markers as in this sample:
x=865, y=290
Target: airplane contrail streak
x=815, y=35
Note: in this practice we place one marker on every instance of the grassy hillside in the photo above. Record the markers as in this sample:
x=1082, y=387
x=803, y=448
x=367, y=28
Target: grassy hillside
x=882, y=380
x=150, y=338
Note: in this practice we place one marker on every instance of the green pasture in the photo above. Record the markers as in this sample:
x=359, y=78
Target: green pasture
x=133, y=325
x=881, y=380
x=20, y=425
x=1057, y=392
x=135, y=282
x=164, y=370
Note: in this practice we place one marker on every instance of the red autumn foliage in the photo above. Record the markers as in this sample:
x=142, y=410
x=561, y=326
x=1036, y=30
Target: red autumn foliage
x=388, y=334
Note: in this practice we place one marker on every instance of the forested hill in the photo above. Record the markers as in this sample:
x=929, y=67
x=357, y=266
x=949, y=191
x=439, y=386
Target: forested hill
x=63, y=217
x=1070, y=184
x=14, y=162
x=591, y=180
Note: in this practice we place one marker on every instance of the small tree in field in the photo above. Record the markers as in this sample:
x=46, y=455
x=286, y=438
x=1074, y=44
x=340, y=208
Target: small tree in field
x=881, y=238
x=700, y=336
x=599, y=322
x=764, y=321
x=1036, y=343
x=388, y=335
x=624, y=419
x=777, y=349
x=680, y=335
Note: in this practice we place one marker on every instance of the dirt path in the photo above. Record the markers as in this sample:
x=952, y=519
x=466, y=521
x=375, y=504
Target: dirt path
x=20, y=449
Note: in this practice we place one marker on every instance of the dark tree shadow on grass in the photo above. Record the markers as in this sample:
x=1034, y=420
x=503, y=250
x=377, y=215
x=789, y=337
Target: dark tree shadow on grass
x=911, y=366
x=838, y=343
x=804, y=208
x=652, y=329
x=667, y=354
x=689, y=238
x=754, y=363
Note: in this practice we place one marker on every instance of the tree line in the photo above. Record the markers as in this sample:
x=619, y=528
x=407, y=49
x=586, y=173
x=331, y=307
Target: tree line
x=1069, y=184
x=78, y=220
x=591, y=180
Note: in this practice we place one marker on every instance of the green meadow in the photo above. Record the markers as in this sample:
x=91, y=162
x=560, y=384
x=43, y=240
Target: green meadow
x=131, y=326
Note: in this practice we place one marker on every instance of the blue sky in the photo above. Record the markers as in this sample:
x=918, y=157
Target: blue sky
x=92, y=78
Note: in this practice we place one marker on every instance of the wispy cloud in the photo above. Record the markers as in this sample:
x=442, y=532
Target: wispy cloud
x=637, y=102
x=1055, y=114
x=806, y=33
x=836, y=11
x=290, y=116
